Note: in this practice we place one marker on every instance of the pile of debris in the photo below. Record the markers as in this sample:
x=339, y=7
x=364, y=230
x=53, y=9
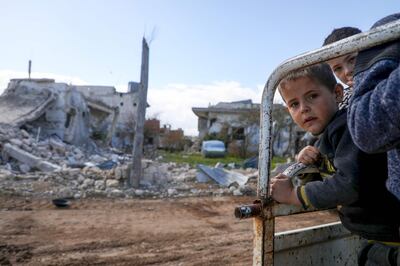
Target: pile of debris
x=52, y=168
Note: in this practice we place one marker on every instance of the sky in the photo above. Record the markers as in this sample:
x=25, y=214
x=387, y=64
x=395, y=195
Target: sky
x=201, y=51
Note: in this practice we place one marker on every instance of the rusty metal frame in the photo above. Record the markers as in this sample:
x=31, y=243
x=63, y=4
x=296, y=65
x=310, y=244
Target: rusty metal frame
x=263, y=244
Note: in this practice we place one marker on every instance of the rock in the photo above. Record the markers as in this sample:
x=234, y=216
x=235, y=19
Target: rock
x=219, y=165
x=27, y=142
x=232, y=188
x=116, y=193
x=16, y=142
x=112, y=183
x=24, y=133
x=172, y=191
x=65, y=192
x=88, y=182
x=57, y=146
x=26, y=147
x=99, y=184
x=80, y=179
x=237, y=192
x=24, y=168
x=139, y=192
x=119, y=173
x=97, y=158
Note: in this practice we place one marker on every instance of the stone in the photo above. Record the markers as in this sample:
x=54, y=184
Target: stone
x=99, y=184
x=237, y=192
x=116, y=193
x=24, y=134
x=172, y=191
x=139, y=192
x=112, y=183
x=16, y=142
x=24, y=168
x=80, y=179
x=119, y=173
x=219, y=165
x=57, y=146
x=88, y=182
x=66, y=192
x=27, y=142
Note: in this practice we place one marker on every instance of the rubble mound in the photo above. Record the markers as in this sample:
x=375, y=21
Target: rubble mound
x=51, y=168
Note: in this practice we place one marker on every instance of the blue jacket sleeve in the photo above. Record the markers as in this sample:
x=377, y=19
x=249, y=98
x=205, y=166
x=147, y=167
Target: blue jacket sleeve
x=374, y=112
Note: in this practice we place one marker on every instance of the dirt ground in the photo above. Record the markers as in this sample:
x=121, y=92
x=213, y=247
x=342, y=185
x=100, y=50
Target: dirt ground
x=185, y=231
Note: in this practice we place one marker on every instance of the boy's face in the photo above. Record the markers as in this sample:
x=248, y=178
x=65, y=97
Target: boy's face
x=343, y=67
x=310, y=104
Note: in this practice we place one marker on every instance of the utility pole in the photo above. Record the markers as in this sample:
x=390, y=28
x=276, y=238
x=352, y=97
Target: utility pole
x=29, y=69
x=136, y=173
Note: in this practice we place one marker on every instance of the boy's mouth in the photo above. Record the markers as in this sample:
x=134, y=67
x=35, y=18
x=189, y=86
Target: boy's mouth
x=309, y=119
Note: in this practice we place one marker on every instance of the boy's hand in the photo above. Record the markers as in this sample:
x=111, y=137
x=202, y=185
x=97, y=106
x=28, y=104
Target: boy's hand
x=282, y=190
x=308, y=155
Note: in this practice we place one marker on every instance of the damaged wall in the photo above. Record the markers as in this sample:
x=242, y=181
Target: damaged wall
x=63, y=112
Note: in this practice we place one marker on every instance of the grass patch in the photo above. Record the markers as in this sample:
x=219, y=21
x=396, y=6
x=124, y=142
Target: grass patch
x=197, y=158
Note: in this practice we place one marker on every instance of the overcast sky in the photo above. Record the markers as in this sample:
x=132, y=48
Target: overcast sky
x=201, y=52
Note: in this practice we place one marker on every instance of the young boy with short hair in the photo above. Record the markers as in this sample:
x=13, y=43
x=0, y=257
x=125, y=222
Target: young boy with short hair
x=343, y=66
x=358, y=184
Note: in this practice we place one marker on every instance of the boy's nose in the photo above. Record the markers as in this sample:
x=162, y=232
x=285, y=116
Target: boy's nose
x=304, y=108
x=348, y=71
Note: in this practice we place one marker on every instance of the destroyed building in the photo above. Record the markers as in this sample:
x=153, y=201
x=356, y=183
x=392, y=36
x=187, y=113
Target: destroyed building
x=72, y=113
x=238, y=124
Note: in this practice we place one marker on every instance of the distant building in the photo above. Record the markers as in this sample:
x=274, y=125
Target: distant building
x=238, y=124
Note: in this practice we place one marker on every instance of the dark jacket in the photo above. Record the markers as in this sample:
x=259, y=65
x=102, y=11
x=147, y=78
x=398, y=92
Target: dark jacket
x=358, y=185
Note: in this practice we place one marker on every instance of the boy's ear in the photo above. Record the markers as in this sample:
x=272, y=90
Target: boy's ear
x=338, y=93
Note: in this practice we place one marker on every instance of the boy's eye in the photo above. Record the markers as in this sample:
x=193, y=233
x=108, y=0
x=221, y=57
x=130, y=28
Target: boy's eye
x=337, y=69
x=312, y=96
x=293, y=105
x=352, y=59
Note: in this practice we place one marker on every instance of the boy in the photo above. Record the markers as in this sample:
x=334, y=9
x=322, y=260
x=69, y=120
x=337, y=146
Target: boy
x=343, y=66
x=374, y=118
x=374, y=115
x=367, y=208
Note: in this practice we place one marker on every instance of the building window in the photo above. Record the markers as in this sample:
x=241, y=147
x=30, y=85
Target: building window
x=212, y=121
x=238, y=133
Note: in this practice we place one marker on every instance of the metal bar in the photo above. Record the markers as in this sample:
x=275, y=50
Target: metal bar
x=379, y=35
x=327, y=244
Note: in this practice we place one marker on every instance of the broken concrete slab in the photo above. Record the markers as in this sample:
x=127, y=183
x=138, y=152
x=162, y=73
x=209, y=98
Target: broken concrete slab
x=28, y=159
x=222, y=176
x=22, y=104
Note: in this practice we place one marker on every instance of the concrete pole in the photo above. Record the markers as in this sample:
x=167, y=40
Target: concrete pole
x=136, y=173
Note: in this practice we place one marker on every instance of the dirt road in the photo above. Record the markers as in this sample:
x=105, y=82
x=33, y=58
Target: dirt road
x=186, y=231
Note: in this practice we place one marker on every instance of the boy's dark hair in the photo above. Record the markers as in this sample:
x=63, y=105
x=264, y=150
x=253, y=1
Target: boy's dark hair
x=320, y=73
x=341, y=33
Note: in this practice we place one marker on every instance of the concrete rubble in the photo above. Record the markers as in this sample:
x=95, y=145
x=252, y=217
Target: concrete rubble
x=53, y=168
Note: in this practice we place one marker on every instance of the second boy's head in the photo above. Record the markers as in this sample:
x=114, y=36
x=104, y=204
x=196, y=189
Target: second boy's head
x=343, y=66
x=312, y=96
